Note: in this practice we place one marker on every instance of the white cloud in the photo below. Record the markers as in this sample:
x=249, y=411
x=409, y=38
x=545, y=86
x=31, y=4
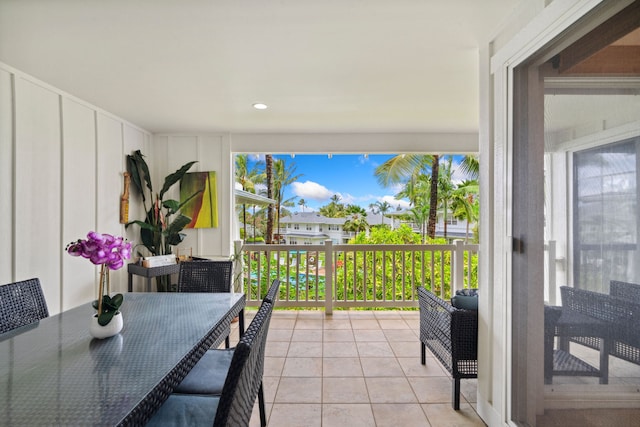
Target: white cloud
x=311, y=190
x=347, y=198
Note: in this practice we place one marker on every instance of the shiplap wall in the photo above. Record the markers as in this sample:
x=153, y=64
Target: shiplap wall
x=61, y=165
x=212, y=153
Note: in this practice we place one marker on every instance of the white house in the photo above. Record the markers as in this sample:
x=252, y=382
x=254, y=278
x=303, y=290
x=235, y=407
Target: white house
x=312, y=228
x=544, y=90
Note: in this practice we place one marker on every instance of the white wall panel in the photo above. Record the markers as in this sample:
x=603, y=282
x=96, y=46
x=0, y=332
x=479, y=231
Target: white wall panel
x=214, y=156
x=61, y=176
x=181, y=150
x=78, y=199
x=110, y=183
x=6, y=178
x=134, y=141
x=38, y=245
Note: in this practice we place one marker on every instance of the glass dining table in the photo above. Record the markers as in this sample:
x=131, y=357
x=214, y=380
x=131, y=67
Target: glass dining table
x=53, y=373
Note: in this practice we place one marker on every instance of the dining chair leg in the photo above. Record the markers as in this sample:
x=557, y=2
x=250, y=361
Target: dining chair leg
x=226, y=342
x=263, y=414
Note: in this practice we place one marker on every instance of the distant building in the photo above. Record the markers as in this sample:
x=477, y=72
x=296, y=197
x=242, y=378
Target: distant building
x=311, y=228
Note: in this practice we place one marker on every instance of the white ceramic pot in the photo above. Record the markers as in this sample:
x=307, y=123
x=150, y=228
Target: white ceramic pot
x=110, y=329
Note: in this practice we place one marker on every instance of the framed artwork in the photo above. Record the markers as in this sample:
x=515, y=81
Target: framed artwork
x=203, y=208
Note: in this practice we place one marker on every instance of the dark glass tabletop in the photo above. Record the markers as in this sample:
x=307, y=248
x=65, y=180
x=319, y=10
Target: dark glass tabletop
x=54, y=373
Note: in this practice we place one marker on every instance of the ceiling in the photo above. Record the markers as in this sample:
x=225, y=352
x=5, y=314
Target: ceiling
x=320, y=65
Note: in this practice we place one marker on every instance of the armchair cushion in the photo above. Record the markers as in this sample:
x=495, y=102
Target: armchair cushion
x=466, y=299
x=186, y=410
x=208, y=375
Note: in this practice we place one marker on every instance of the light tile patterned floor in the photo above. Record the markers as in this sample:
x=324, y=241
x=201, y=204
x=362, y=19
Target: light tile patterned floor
x=355, y=368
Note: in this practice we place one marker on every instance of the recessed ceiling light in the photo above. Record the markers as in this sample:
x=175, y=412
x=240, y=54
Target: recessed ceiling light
x=260, y=106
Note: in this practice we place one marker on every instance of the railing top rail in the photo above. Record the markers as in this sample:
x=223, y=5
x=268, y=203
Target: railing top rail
x=393, y=247
x=280, y=247
x=359, y=247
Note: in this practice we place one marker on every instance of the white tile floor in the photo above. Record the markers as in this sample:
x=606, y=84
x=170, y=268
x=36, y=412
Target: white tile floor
x=355, y=368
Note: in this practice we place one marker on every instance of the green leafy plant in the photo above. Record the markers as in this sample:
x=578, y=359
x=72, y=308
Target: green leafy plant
x=163, y=222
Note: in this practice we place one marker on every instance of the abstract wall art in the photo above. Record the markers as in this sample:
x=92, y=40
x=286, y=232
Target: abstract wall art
x=203, y=208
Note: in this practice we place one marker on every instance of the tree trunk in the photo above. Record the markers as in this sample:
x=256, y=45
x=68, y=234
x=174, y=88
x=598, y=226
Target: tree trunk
x=433, y=199
x=244, y=219
x=269, y=172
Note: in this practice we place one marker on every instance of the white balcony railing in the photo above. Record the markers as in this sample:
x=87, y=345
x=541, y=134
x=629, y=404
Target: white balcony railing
x=330, y=275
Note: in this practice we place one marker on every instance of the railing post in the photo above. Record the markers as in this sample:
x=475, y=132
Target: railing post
x=457, y=267
x=328, y=277
x=238, y=266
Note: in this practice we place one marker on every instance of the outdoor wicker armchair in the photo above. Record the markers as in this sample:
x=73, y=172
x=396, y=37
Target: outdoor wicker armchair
x=452, y=336
x=206, y=276
x=243, y=379
x=21, y=303
x=208, y=375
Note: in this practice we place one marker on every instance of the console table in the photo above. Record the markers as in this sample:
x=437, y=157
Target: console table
x=150, y=272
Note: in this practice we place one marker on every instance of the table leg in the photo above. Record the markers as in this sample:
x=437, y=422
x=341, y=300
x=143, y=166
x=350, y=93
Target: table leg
x=130, y=284
x=241, y=323
x=604, y=360
x=148, y=284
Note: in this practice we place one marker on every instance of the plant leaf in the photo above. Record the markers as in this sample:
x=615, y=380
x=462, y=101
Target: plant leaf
x=143, y=225
x=175, y=177
x=105, y=318
x=117, y=300
x=177, y=225
x=142, y=164
x=171, y=205
x=133, y=169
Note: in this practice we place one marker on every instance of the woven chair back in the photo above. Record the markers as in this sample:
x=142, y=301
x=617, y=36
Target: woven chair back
x=245, y=373
x=205, y=276
x=21, y=303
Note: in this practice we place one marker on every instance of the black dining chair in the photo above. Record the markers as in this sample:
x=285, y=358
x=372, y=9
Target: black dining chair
x=21, y=303
x=243, y=379
x=208, y=375
x=206, y=276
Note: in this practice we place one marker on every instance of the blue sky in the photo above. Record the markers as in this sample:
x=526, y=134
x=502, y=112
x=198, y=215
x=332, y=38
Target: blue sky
x=350, y=176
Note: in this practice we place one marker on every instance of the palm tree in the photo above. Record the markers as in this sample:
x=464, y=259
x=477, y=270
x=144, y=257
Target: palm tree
x=284, y=175
x=248, y=180
x=383, y=208
x=445, y=190
x=470, y=165
x=433, y=200
x=464, y=204
x=334, y=209
x=420, y=215
x=407, y=169
x=302, y=203
x=356, y=223
x=269, y=176
x=355, y=210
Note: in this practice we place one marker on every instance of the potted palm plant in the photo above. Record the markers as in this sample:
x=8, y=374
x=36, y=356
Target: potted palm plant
x=163, y=223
